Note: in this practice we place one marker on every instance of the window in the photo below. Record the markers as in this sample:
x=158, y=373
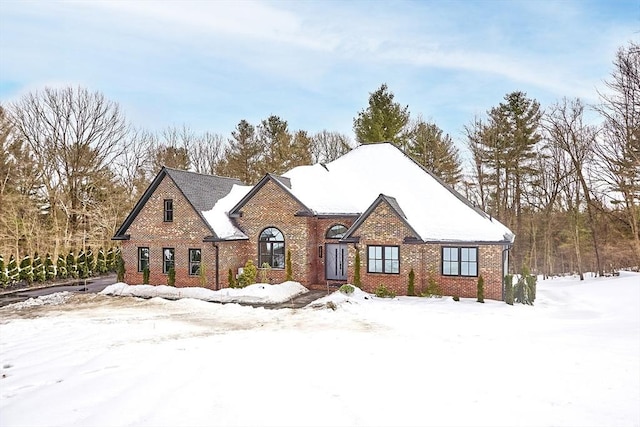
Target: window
x=168, y=259
x=383, y=259
x=271, y=248
x=143, y=258
x=194, y=261
x=459, y=261
x=168, y=210
x=336, y=232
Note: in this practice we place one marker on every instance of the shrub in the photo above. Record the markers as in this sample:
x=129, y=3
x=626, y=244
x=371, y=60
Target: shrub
x=26, y=270
x=411, y=289
x=508, y=289
x=346, y=289
x=171, y=277
x=4, y=278
x=61, y=267
x=264, y=272
x=39, y=273
x=231, y=279
x=101, y=263
x=456, y=298
x=120, y=268
x=356, y=270
x=72, y=268
x=433, y=289
x=383, y=292
x=49, y=269
x=145, y=275
x=480, y=289
x=83, y=268
x=12, y=270
x=289, y=266
x=531, y=287
x=248, y=276
x=111, y=260
x=91, y=262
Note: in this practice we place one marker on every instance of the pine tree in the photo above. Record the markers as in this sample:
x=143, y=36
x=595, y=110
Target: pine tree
x=242, y=154
x=383, y=120
x=231, y=279
x=49, y=269
x=111, y=260
x=4, y=278
x=91, y=262
x=145, y=275
x=356, y=271
x=26, y=270
x=289, y=268
x=101, y=263
x=437, y=153
x=39, y=272
x=508, y=289
x=171, y=277
x=12, y=270
x=61, y=267
x=72, y=267
x=81, y=262
x=480, y=289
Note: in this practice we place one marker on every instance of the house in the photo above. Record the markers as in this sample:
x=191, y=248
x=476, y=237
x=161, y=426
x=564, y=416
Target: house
x=374, y=201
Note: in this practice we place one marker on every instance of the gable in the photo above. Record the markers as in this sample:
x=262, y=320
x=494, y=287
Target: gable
x=268, y=193
x=384, y=221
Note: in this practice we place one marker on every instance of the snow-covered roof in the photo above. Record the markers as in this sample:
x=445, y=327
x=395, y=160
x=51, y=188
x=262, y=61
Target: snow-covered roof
x=351, y=183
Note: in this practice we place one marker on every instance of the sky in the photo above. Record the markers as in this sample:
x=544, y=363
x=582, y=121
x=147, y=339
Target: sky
x=210, y=64
x=571, y=359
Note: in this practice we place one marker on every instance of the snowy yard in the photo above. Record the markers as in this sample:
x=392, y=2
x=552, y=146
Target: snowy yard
x=571, y=360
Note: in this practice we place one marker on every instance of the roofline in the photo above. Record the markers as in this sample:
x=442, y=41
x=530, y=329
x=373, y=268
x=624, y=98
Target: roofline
x=469, y=242
x=371, y=208
x=142, y=201
x=268, y=177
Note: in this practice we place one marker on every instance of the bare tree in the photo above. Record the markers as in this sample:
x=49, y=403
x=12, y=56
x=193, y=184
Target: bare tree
x=568, y=132
x=74, y=135
x=207, y=152
x=327, y=146
x=619, y=148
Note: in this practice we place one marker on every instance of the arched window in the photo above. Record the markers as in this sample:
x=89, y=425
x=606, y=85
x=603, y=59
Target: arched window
x=271, y=248
x=336, y=232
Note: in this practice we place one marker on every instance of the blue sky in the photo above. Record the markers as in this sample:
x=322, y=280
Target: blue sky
x=210, y=64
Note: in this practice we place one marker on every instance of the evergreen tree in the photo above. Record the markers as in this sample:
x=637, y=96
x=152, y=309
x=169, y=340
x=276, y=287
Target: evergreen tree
x=231, y=279
x=145, y=275
x=289, y=267
x=26, y=270
x=49, y=269
x=91, y=262
x=171, y=277
x=72, y=267
x=411, y=287
x=12, y=270
x=356, y=271
x=120, y=267
x=61, y=267
x=39, y=272
x=242, y=154
x=111, y=260
x=382, y=120
x=101, y=263
x=434, y=151
x=82, y=267
x=508, y=289
x=4, y=278
x=480, y=291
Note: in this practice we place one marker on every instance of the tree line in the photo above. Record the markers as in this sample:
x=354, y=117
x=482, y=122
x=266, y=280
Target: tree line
x=72, y=167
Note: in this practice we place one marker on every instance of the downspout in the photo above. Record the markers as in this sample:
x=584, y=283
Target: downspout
x=217, y=266
x=507, y=248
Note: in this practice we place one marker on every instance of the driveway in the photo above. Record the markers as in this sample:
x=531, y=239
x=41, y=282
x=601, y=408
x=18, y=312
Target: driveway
x=93, y=286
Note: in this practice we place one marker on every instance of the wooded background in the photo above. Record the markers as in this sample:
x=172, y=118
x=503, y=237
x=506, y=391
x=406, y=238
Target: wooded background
x=564, y=177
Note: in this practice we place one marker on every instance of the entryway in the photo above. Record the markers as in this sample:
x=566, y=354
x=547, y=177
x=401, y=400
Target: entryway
x=336, y=261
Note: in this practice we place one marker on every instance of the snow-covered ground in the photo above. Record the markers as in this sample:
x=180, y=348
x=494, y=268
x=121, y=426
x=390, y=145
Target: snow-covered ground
x=571, y=360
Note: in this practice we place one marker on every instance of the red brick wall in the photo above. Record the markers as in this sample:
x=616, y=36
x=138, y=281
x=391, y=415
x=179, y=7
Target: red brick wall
x=185, y=232
x=384, y=227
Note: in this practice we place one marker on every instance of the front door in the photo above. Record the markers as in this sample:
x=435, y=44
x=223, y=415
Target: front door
x=336, y=261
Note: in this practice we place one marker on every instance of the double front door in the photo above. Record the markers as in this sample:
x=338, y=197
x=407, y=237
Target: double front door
x=336, y=261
